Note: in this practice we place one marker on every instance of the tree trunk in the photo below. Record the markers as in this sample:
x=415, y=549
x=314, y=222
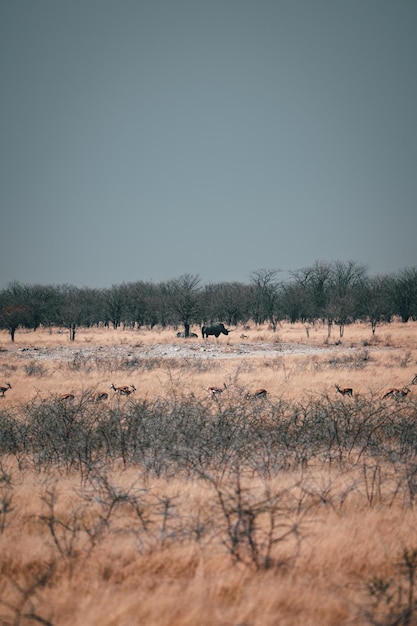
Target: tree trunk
x=329, y=328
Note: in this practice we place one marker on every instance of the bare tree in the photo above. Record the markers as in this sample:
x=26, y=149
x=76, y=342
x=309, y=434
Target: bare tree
x=375, y=303
x=265, y=291
x=229, y=301
x=345, y=282
x=76, y=308
x=13, y=308
x=184, y=296
x=114, y=303
x=315, y=281
x=403, y=292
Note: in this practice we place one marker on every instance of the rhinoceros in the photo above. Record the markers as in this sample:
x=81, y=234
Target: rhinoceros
x=214, y=329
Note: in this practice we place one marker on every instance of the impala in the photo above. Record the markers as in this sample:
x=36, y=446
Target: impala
x=345, y=391
x=216, y=391
x=4, y=389
x=66, y=397
x=100, y=395
x=124, y=390
x=396, y=393
x=258, y=393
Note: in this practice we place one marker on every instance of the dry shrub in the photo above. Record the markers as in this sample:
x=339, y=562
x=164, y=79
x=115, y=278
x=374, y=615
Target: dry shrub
x=169, y=507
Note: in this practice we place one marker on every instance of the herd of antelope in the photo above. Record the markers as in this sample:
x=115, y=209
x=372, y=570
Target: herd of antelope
x=215, y=392
x=392, y=392
x=100, y=396
x=124, y=390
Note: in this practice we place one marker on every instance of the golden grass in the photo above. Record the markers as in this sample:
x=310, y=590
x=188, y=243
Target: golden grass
x=196, y=583
x=358, y=360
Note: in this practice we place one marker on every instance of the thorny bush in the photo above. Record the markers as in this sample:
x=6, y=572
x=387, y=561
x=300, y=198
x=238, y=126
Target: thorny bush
x=183, y=435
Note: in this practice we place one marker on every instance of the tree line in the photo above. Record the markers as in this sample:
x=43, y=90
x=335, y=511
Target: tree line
x=333, y=293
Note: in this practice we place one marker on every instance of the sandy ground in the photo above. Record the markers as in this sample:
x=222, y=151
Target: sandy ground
x=194, y=350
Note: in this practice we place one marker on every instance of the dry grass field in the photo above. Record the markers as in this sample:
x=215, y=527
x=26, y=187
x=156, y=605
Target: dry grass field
x=46, y=363
x=169, y=507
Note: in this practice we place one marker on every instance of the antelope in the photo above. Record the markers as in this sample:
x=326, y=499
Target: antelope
x=100, y=395
x=4, y=389
x=216, y=391
x=65, y=397
x=345, y=391
x=258, y=393
x=396, y=393
x=124, y=390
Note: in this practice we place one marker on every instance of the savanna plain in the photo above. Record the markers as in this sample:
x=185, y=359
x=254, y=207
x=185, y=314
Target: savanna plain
x=170, y=505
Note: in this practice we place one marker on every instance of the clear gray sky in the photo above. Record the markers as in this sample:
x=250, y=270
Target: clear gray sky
x=145, y=139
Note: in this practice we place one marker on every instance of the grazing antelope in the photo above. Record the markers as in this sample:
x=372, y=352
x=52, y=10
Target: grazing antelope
x=66, y=397
x=216, y=391
x=4, y=389
x=259, y=393
x=100, y=395
x=345, y=391
x=124, y=390
x=396, y=393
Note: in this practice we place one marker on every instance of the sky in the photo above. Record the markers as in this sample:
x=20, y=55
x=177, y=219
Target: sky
x=141, y=140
